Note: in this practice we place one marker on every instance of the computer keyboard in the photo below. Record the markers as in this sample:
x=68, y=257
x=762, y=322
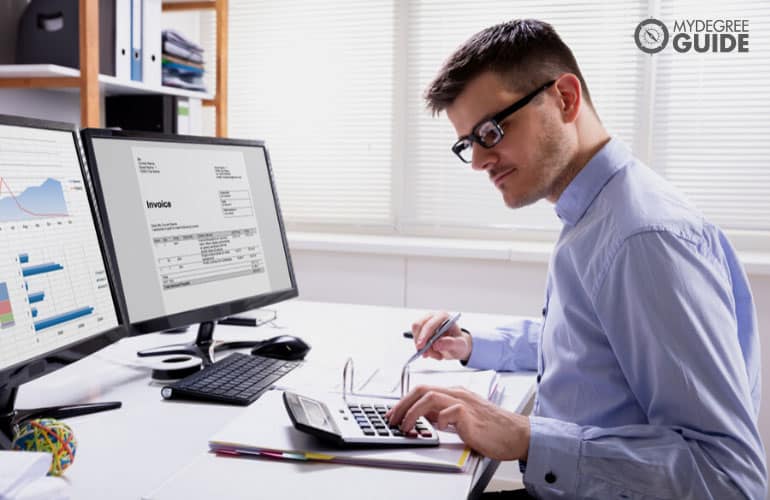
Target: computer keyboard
x=238, y=379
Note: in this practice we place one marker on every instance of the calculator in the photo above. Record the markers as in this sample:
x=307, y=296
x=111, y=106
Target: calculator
x=354, y=424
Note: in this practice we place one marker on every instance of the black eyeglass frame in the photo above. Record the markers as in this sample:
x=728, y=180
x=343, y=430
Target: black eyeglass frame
x=459, y=146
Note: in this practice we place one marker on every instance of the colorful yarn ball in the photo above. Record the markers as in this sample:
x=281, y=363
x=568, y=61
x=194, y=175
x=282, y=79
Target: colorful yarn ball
x=50, y=435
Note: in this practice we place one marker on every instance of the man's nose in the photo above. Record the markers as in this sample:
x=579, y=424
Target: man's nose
x=482, y=158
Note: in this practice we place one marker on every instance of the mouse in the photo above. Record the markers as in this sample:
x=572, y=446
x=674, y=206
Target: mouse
x=285, y=347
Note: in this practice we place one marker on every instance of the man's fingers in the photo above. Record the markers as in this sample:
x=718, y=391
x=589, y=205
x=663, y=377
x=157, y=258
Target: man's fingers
x=433, y=401
x=417, y=326
x=396, y=414
x=428, y=328
x=451, y=415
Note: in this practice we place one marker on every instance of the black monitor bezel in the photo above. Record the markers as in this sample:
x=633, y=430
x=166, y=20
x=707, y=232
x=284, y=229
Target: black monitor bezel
x=212, y=312
x=37, y=366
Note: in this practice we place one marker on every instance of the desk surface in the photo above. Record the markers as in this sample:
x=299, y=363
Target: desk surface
x=133, y=452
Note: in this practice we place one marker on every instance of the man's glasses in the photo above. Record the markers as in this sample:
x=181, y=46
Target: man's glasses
x=489, y=132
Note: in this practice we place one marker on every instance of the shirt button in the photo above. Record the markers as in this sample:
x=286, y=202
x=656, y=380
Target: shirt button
x=550, y=478
x=539, y=377
x=544, y=311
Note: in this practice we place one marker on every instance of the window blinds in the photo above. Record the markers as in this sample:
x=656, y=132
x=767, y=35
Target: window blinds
x=710, y=126
x=335, y=88
x=314, y=79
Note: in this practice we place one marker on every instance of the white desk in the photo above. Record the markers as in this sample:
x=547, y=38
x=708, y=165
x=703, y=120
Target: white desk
x=131, y=452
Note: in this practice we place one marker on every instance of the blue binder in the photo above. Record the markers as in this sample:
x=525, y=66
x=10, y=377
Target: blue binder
x=136, y=40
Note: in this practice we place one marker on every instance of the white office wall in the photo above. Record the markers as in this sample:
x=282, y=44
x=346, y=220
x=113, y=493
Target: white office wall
x=350, y=278
x=490, y=286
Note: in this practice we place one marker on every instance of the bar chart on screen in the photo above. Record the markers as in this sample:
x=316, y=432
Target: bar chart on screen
x=60, y=294
x=51, y=269
x=50, y=291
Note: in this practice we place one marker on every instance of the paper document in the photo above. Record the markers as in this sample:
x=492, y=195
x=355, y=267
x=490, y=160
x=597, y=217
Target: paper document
x=387, y=381
x=20, y=468
x=320, y=376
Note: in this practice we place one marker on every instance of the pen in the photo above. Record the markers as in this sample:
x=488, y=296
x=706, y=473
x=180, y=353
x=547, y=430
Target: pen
x=445, y=326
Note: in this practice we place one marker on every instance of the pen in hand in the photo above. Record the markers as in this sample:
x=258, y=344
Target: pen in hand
x=445, y=326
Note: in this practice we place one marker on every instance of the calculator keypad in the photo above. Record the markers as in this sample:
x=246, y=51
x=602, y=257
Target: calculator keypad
x=371, y=419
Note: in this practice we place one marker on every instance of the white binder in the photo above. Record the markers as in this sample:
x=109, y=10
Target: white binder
x=123, y=39
x=151, y=42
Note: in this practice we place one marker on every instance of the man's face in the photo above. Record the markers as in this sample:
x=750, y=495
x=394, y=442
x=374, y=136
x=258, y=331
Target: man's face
x=536, y=148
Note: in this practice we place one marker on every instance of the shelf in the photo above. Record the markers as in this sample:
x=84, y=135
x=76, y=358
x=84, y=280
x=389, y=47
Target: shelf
x=107, y=84
x=91, y=85
x=187, y=5
x=36, y=71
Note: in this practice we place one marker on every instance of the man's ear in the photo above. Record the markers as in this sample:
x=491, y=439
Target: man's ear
x=570, y=96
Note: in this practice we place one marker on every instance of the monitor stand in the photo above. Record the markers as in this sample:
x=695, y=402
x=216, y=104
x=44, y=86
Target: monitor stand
x=10, y=418
x=203, y=346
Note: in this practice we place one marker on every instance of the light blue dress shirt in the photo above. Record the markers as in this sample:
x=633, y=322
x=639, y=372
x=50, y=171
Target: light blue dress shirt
x=648, y=352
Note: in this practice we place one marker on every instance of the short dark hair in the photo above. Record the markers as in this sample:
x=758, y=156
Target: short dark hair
x=524, y=52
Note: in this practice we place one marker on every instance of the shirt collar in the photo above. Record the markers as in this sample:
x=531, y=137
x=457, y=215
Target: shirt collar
x=589, y=182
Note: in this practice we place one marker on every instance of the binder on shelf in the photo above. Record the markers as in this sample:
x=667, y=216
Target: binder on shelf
x=137, y=55
x=151, y=42
x=183, y=115
x=107, y=34
x=123, y=39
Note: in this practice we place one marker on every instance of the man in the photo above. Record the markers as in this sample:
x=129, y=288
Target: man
x=647, y=352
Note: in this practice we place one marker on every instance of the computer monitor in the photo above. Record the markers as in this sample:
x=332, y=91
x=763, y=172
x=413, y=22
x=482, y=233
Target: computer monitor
x=194, y=226
x=57, y=302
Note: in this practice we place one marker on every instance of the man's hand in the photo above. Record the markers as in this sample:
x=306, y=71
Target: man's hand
x=488, y=429
x=454, y=344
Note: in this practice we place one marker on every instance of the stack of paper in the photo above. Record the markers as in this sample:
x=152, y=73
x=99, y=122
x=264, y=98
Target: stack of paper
x=182, y=62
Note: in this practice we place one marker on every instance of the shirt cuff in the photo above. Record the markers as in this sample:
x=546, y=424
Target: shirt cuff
x=553, y=457
x=486, y=350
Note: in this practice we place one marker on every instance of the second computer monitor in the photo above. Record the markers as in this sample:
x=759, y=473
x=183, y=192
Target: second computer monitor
x=194, y=225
